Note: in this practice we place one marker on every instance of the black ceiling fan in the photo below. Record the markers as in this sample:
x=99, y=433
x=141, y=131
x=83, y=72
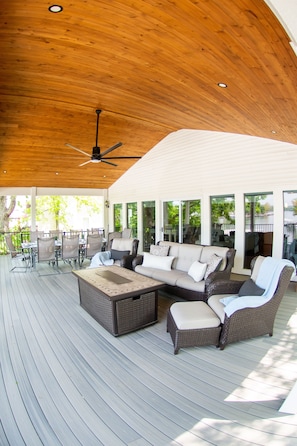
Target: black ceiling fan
x=97, y=156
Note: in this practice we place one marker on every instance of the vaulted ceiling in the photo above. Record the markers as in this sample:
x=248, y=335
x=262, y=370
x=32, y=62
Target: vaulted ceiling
x=151, y=66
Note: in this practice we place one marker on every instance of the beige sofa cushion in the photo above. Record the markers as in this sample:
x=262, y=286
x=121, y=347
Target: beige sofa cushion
x=185, y=254
x=169, y=277
x=186, y=282
x=220, y=251
x=122, y=244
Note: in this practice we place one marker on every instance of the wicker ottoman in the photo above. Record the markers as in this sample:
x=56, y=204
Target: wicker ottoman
x=192, y=324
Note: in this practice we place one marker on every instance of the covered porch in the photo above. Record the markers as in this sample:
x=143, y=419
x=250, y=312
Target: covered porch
x=66, y=380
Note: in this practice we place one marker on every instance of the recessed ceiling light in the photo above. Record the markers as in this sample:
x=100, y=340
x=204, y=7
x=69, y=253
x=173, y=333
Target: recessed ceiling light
x=4, y=171
x=273, y=131
x=57, y=173
x=55, y=8
x=222, y=85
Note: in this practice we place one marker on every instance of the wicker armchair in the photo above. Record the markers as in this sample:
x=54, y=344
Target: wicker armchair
x=235, y=318
x=249, y=322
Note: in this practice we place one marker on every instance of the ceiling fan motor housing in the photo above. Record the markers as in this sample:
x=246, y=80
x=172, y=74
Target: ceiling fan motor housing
x=96, y=154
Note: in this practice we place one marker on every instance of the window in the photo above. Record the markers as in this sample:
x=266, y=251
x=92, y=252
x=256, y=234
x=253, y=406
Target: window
x=290, y=226
x=182, y=221
x=222, y=220
x=117, y=217
x=191, y=221
x=259, y=217
x=132, y=218
x=148, y=223
x=171, y=221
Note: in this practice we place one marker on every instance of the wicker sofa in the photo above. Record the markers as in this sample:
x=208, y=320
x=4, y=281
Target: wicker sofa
x=179, y=262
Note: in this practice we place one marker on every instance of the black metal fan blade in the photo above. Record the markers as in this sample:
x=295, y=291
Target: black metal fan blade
x=122, y=157
x=107, y=162
x=118, y=144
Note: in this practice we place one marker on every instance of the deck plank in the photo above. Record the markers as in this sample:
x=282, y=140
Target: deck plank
x=66, y=380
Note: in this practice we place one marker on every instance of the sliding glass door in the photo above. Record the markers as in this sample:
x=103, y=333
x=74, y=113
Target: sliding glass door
x=182, y=221
x=148, y=224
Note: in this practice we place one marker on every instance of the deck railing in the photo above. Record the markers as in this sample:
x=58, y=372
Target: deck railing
x=20, y=237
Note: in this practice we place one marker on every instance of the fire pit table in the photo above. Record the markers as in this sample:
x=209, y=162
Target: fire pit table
x=118, y=298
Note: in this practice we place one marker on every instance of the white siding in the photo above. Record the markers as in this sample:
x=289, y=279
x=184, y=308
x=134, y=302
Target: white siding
x=191, y=164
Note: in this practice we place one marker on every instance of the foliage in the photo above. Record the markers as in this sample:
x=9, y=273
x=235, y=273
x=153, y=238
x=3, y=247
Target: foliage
x=132, y=217
x=117, y=209
x=194, y=213
x=222, y=207
x=172, y=211
x=51, y=207
x=56, y=210
x=253, y=204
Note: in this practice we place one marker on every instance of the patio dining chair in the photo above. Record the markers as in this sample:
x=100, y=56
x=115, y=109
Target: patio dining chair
x=19, y=258
x=46, y=252
x=70, y=249
x=93, y=245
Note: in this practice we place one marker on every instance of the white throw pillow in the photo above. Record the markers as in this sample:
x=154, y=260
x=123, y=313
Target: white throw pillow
x=213, y=265
x=159, y=262
x=197, y=270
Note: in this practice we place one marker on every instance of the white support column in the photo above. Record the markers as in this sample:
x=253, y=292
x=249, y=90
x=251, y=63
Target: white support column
x=33, y=209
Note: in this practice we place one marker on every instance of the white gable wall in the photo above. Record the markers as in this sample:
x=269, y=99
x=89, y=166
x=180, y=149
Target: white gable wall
x=192, y=164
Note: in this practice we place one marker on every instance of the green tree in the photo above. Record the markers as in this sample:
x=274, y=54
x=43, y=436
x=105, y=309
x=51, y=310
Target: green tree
x=54, y=207
x=222, y=207
x=117, y=209
x=87, y=204
x=7, y=206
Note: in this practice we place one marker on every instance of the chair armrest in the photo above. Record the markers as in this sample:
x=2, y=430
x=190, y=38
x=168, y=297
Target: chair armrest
x=224, y=287
x=126, y=261
x=137, y=261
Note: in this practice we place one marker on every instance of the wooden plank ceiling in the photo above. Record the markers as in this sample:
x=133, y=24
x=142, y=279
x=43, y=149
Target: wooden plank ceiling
x=153, y=67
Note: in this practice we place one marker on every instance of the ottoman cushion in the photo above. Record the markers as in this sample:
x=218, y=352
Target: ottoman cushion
x=193, y=315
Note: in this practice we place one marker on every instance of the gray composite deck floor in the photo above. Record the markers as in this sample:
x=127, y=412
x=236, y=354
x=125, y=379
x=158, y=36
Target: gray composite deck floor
x=66, y=381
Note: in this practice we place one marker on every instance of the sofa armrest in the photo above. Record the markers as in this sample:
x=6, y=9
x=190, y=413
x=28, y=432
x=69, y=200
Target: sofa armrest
x=137, y=261
x=222, y=275
x=230, y=260
x=224, y=287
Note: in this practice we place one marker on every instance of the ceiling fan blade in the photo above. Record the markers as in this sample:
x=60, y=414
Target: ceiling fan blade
x=78, y=150
x=118, y=144
x=122, y=157
x=83, y=164
x=107, y=162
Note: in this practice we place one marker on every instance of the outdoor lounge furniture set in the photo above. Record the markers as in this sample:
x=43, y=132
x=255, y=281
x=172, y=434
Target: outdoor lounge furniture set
x=220, y=310
x=189, y=271
x=239, y=310
x=216, y=310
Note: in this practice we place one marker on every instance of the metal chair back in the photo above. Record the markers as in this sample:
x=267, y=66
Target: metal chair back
x=70, y=247
x=46, y=249
x=94, y=245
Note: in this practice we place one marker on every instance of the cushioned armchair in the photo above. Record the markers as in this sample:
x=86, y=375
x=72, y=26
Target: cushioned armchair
x=123, y=251
x=245, y=310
